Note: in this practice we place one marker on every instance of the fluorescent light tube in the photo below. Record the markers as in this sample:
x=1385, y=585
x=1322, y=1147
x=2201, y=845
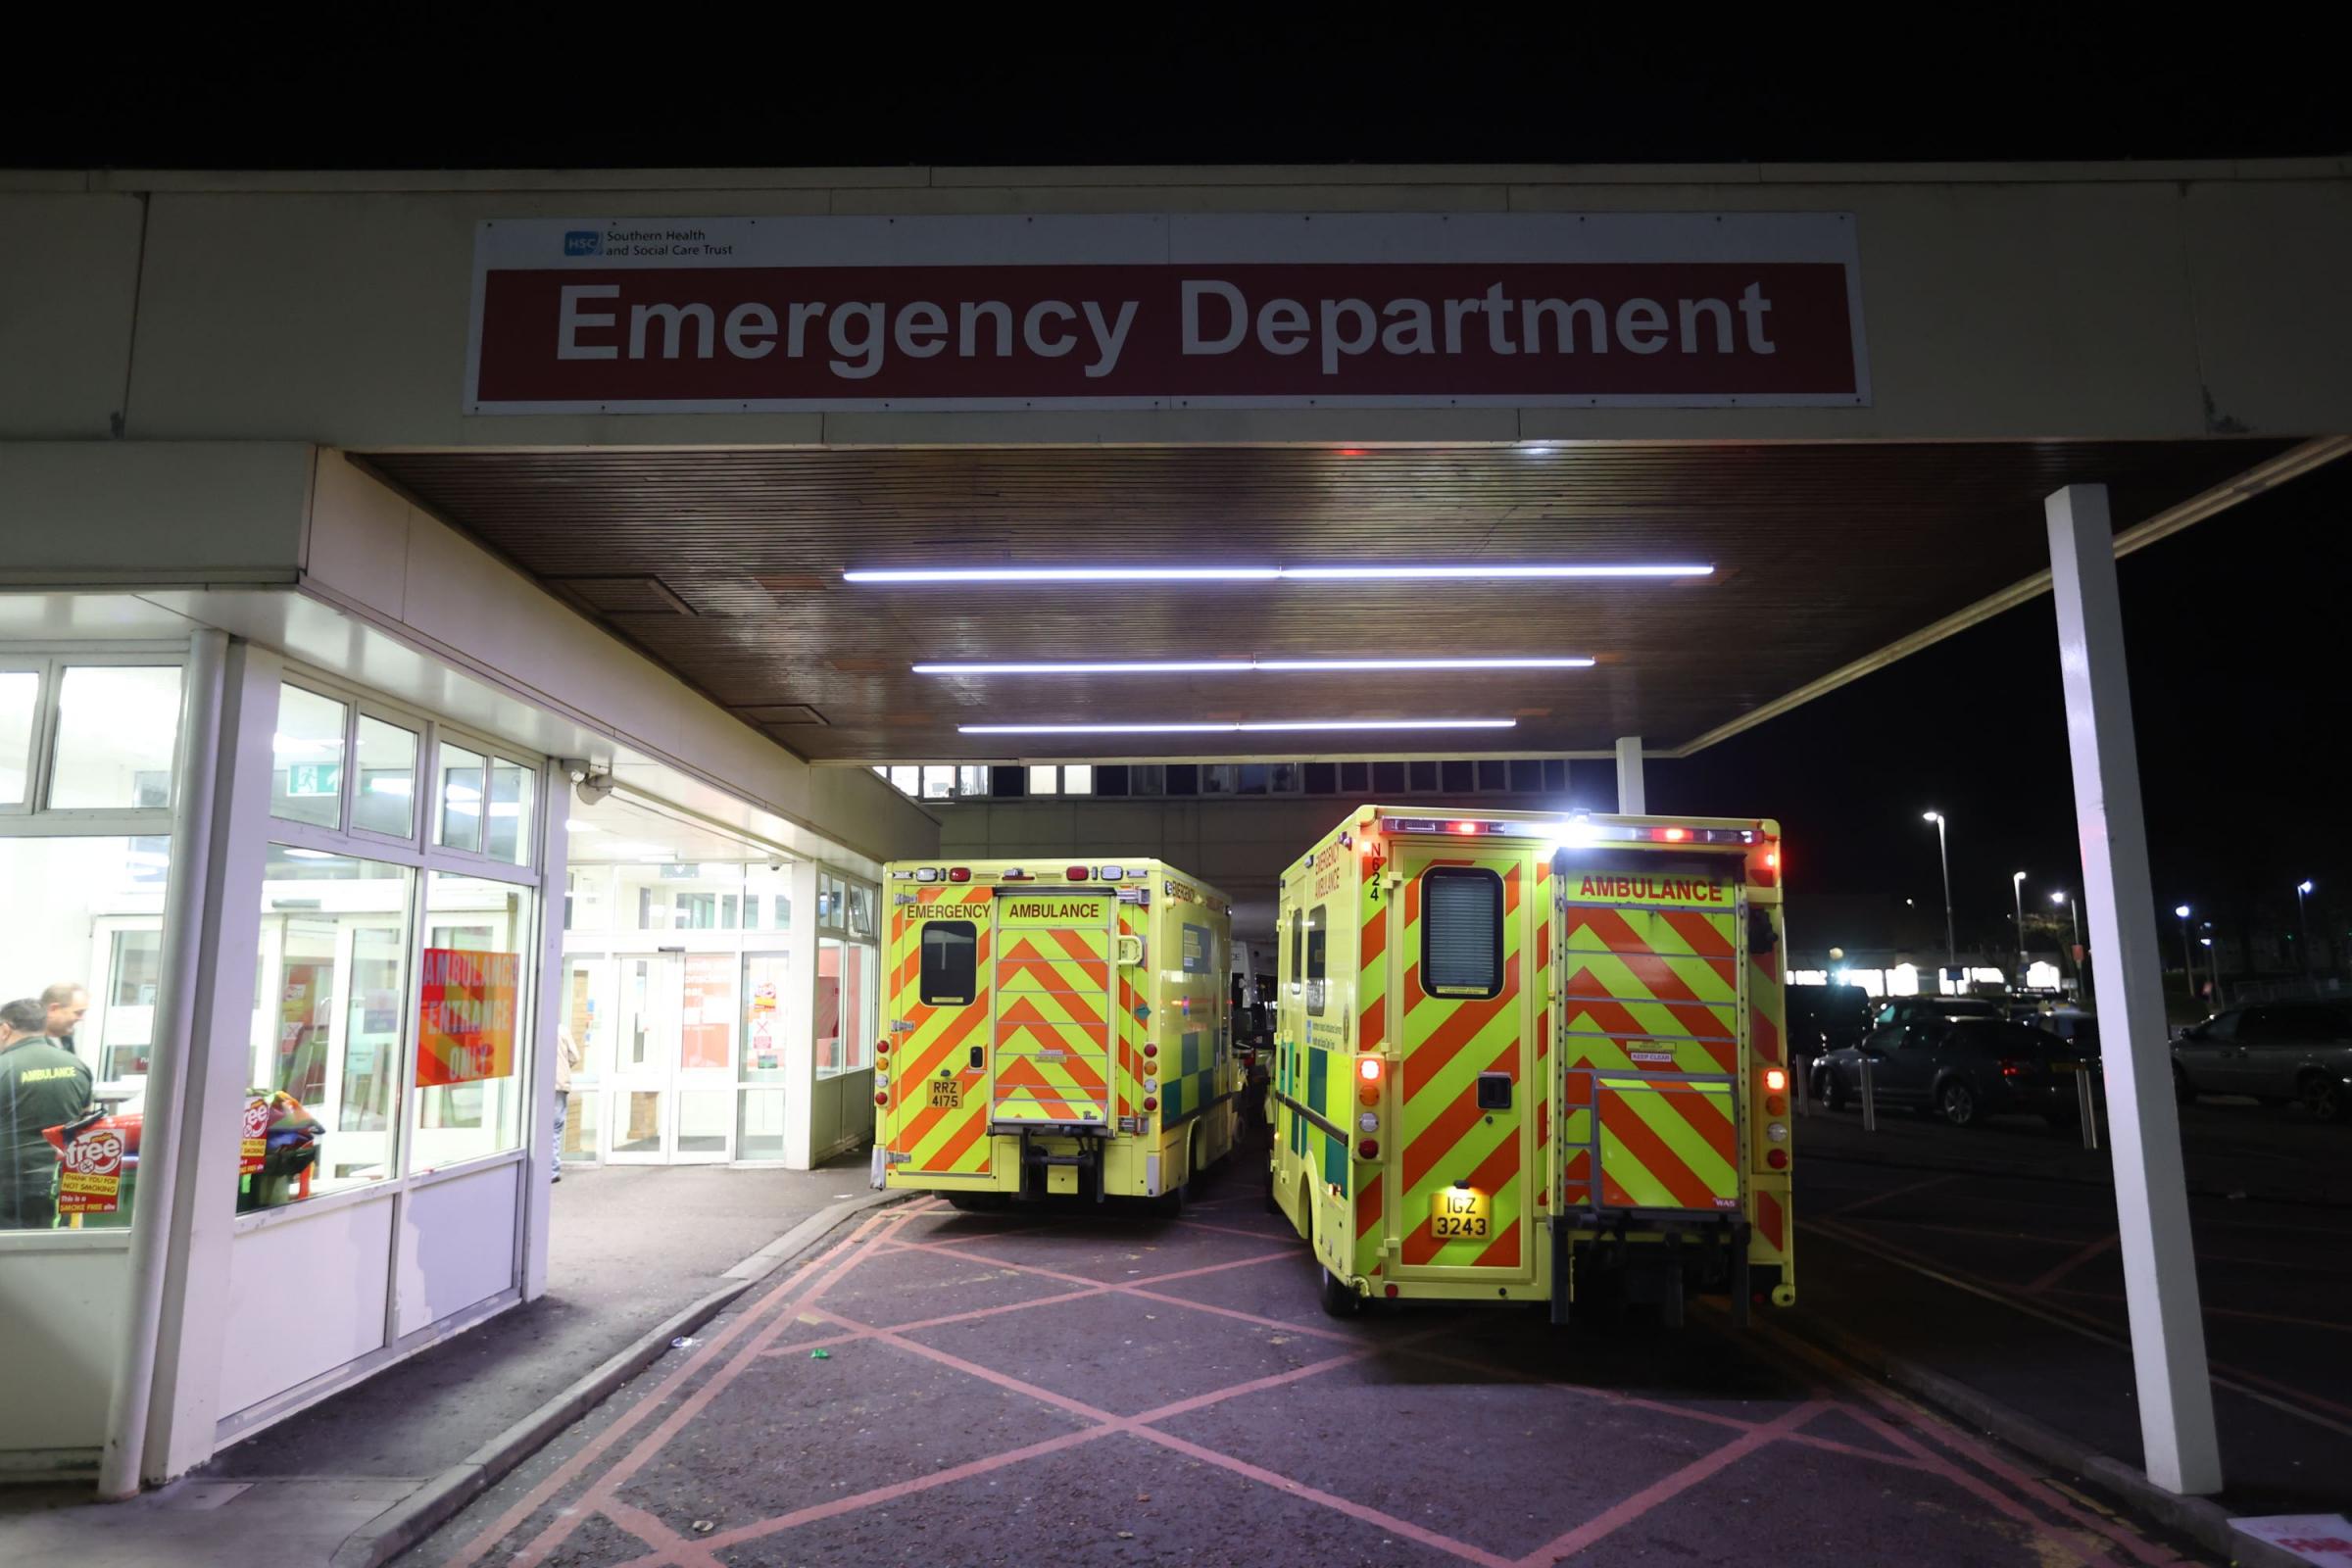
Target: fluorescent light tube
x=1148, y=574
x=1231, y=729
x=1220, y=666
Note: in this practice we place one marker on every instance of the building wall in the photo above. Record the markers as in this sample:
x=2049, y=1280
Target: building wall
x=2001, y=302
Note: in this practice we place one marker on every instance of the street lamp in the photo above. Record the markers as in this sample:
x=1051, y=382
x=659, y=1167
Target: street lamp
x=2303, y=918
x=1951, y=944
x=2188, y=965
x=2082, y=974
x=2017, y=889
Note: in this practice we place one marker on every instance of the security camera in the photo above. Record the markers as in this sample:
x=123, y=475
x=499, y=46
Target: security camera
x=576, y=768
x=592, y=786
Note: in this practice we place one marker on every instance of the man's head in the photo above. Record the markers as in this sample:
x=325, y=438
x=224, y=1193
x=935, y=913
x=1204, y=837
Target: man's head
x=62, y=1008
x=21, y=1018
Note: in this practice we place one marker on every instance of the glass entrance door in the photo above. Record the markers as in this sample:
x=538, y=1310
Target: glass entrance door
x=644, y=1055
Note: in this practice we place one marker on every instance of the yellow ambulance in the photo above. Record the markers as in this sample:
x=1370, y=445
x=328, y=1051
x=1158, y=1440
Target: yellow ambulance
x=1054, y=1028
x=1527, y=1056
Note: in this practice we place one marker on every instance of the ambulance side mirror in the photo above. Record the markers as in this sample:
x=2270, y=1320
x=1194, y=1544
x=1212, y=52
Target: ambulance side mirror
x=1761, y=938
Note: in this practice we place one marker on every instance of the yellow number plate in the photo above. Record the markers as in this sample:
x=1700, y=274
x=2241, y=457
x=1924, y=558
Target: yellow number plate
x=1460, y=1214
x=947, y=1094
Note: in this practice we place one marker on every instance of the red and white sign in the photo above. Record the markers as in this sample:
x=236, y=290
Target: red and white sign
x=253, y=1146
x=735, y=314
x=91, y=1182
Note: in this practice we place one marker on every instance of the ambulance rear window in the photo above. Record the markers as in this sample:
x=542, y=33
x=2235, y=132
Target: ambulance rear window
x=950, y=963
x=1462, y=932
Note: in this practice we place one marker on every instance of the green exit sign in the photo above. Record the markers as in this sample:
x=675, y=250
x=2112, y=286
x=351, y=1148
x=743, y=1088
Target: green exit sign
x=313, y=778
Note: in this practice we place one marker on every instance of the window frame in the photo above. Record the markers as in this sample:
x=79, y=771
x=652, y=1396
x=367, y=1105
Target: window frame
x=1430, y=876
x=48, y=663
x=1318, y=961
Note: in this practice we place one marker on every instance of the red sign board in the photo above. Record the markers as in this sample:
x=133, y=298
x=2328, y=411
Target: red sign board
x=91, y=1181
x=465, y=1016
x=1325, y=310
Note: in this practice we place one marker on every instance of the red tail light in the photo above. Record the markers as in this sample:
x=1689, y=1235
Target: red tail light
x=1675, y=835
x=1368, y=1069
x=1777, y=1159
x=1776, y=1079
x=882, y=1098
x=1077, y=873
x=1150, y=1102
x=1465, y=827
x=1151, y=1050
x=881, y=1047
x=2010, y=1068
x=1368, y=1148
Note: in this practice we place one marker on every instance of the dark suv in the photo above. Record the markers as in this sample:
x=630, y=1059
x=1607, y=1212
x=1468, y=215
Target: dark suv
x=2274, y=1051
x=1962, y=1068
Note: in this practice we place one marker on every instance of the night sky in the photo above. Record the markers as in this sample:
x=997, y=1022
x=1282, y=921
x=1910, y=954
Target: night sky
x=2236, y=633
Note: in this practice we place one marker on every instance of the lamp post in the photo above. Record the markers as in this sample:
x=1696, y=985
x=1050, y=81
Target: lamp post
x=2016, y=890
x=2082, y=972
x=2303, y=920
x=1943, y=854
x=2213, y=962
x=2188, y=965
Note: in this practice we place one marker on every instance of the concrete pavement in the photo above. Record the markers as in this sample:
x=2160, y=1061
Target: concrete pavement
x=628, y=1247
x=1096, y=1387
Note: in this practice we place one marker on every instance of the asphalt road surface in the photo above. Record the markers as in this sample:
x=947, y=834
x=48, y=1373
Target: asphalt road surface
x=1984, y=1253
x=1093, y=1387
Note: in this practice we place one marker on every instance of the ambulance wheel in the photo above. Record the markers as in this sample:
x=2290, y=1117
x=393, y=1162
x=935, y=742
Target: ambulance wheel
x=1339, y=1296
x=1168, y=1205
x=1194, y=1178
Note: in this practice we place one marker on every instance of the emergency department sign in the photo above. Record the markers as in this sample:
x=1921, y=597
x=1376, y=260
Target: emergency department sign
x=733, y=314
x=465, y=1016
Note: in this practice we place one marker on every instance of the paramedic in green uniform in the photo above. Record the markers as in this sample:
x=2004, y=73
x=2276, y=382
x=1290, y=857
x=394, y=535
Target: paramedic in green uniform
x=41, y=1086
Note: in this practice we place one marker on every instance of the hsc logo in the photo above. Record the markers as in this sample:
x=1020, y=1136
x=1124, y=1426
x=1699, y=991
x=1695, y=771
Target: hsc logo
x=583, y=242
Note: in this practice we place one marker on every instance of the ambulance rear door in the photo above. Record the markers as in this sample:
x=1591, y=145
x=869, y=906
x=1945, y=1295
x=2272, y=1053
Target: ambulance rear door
x=1650, y=1033
x=936, y=1119
x=1052, y=1023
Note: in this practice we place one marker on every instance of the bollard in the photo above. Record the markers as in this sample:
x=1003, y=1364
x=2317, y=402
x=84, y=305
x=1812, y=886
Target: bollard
x=2086, y=1096
x=1870, y=1100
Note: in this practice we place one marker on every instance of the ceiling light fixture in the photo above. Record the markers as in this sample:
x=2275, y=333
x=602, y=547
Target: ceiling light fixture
x=1221, y=666
x=1229, y=729
x=992, y=574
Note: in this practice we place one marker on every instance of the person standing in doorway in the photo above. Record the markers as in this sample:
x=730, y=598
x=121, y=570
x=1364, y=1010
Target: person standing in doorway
x=62, y=1006
x=41, y=1086
x=568, y=1057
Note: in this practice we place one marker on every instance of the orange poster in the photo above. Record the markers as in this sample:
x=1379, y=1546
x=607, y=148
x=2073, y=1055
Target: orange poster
x=465, y=1016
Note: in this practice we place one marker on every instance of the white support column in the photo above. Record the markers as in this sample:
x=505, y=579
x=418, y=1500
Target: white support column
x=547, y=1012
x=2151, y=1199
x=184, y=1403
x=1632, y=800
x=799, y=1015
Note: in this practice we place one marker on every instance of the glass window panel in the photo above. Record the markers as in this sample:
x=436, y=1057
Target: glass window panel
x=1355, y=778
x=1424, y=776
x=1220, y=779
x=1042, y=780
x=20, y=701
x=1322, y=778
x=1282, y=778
x=578, y=1141
x=637, y=1128
x=760, y=1126
x=971, y=781
x=862, y=912
x=1254, y=778
x=588, y=898
x=1493, y=775
x=116, y=725
x=1462, y=932
x=846, y=1002
x=506, y=833
x=707, y=1015
x=305, y=758
x=1527, y=776
x=1318, y=934
x=704, y=1118
x=1461, y=777
x=461, y=794
x=473, y=1020
x=327, y=1025
x=386, y=799
x=907, y=779
x=1555, y=772
x=78, y=954
x=764, y=982
x=950, y=964
x=1110, y=779
x=831, y=897
x=939, y=782
x=1147, y=778
x=1388, y=778
x=1078, y=779
x=1180, y=778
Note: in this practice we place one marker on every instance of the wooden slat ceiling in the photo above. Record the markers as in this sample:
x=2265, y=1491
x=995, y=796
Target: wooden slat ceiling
x=726, y=566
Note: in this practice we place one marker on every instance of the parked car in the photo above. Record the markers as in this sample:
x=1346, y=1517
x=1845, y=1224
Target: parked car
x=2275, y=1051
x=1825, y=1018
x=1962, y=1068
x=1907, y=1010
x=2072, y=1025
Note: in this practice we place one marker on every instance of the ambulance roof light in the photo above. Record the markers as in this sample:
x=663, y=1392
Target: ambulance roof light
x=959, y=873
x=1075, y=873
